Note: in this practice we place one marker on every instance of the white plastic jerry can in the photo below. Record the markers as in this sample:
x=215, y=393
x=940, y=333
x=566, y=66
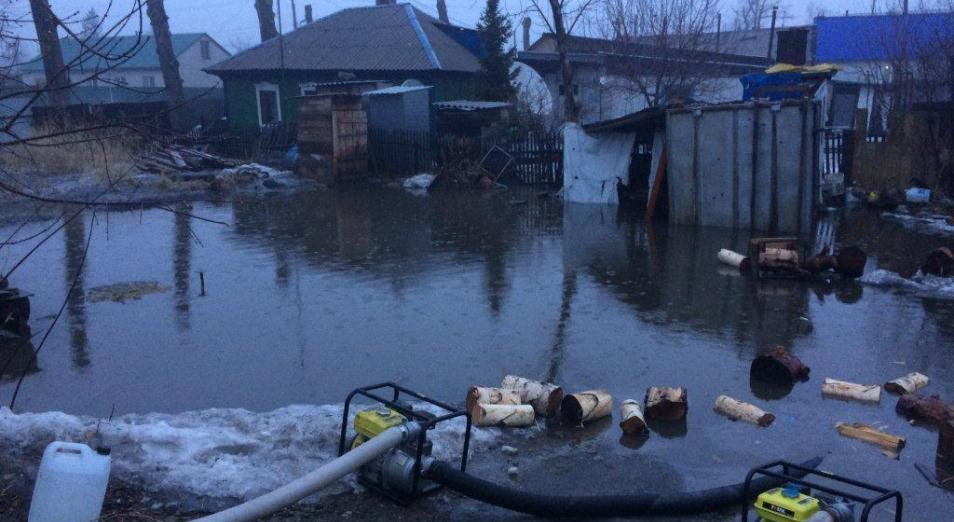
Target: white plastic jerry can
x=71, y=484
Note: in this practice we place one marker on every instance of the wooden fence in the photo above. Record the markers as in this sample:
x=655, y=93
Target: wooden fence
x=537, y=156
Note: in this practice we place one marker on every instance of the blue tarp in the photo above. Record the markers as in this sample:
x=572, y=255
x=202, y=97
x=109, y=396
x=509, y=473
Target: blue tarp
x=774, y=87
x=879, y=37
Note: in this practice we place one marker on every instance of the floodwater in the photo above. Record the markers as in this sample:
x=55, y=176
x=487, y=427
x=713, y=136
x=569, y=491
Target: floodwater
x=309, y=295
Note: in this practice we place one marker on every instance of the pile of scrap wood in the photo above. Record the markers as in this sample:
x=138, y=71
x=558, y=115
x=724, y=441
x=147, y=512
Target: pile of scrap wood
x=175, y=158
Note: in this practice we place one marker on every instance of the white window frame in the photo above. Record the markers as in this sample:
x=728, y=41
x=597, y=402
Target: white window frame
x=259, y=87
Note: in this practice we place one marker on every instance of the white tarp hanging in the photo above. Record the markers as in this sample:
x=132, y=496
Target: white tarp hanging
x=592, y=164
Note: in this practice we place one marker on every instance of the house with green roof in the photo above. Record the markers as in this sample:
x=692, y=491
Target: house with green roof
x=141, y=71
x=390, y=43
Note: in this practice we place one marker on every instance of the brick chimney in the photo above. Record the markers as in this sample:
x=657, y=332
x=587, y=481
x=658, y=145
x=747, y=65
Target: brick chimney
x=442, y=11
x=526, y=33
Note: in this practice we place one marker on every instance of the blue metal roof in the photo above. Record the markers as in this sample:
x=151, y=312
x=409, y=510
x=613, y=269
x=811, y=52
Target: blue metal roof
x=879, y=37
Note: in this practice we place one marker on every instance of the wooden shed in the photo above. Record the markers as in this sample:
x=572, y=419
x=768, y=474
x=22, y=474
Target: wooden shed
x=332, y=138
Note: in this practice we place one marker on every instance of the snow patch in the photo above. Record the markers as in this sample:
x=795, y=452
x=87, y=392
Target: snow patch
x=216, y=453
x=923, y=285
x=419, y=183
x=927, y=223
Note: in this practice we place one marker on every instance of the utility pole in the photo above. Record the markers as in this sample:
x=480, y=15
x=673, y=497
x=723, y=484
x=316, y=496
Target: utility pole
x=294, y=15
x=772, y=32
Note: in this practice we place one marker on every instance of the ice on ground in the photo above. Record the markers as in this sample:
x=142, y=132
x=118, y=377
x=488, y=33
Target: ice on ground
x=217, y=453
x=928, y=223
x=419, y=182
x=923, y=285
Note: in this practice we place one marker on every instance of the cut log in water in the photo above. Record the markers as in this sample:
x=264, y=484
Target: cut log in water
x=910, y=383
x=735, y=259
x=587, y=406
x=510, y=415
x=866, y=433
x=850, y=391
x=779, y=366
x=931, y=409
x=666, y=403
x=743, y=411
x=631, y=418
x=543, y=396
x=939, y=262
x=486, y=395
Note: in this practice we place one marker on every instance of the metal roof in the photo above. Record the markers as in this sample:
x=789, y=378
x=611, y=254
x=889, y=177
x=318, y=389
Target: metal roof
x=470, y=105
x=144, y=48
x=880, y=37
x=375, y=38
x=398, y=89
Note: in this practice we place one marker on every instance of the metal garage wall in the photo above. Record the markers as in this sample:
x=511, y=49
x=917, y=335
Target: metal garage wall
x=743, y=166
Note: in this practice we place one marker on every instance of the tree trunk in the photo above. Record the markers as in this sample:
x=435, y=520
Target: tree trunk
x=631, y=418
x=738, y=410
x=931, y=409
x=512, y=415
x=779, y=367
x=483, y=395
x=168, y=63
x=668, y=404
x=570, y=110
x=57, y=76
x=852, y=391
x=910, y=383
x=543, y=396
x=587, y=406
x=266, y=19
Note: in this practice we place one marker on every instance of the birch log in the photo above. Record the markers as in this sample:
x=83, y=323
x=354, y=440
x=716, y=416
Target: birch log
x=666, y=403
x=735, y=259
x=587, y=406
x=510, y=415
x=743, y=411
x=486, y=395
x=852, y=391
x=866, y=433
x=631, y=418
x=543, y=396
x=910, y=383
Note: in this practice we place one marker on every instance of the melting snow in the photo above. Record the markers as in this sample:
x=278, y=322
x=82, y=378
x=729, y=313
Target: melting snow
x=214, y=453
x=924, y=285
x=928, y=223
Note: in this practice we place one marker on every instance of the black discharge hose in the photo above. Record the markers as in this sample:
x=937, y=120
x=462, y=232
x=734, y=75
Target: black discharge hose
x=633, y=505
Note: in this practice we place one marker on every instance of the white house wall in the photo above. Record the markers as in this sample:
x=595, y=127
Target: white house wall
x=191, y=64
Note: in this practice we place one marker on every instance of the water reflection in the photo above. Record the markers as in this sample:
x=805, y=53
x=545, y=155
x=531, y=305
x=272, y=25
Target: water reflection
x=74, y=234
x=181, y=264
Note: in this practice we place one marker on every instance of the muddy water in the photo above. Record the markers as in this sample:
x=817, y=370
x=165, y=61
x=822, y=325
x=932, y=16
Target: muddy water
x=308, y=295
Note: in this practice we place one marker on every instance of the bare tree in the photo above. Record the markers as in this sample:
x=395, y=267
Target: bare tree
x=661, y=47
x=89, y=24
x=757, y=14
x=57, y=75
x=561, y=17
x=168, y=62
x=266, y=19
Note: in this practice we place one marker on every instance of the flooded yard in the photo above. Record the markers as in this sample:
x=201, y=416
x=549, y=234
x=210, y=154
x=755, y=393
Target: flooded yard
x=308, y=295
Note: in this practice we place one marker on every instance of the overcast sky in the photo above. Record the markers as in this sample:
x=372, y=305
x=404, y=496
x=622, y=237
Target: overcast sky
x=233, y=22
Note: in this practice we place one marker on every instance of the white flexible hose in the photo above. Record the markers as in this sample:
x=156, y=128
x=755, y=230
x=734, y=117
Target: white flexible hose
x=318, y=479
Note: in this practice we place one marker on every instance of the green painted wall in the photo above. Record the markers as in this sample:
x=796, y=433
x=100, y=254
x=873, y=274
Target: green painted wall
x=241, y=103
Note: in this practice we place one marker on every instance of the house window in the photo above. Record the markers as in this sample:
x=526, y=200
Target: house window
x=206, y=48
x=269, y=110
x=148, y=81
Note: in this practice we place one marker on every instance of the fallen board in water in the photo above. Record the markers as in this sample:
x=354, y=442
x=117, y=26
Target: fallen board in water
x=910, y=383
x=866, y=433
x=543, y=396
x=631, y=418
x=486, y=395
x=510, y=415
x=743, y=411
x=870, y=393
x=666, y=404
x=587, y=406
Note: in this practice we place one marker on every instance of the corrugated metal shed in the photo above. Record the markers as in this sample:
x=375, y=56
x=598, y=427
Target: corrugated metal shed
x=375, y=38
x=470, y=105
x=879, y=37
x=400, y=108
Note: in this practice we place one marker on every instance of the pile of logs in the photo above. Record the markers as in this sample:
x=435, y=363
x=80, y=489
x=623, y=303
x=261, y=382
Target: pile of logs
x=783, y=258
x=174, y=158
x=516, y=403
